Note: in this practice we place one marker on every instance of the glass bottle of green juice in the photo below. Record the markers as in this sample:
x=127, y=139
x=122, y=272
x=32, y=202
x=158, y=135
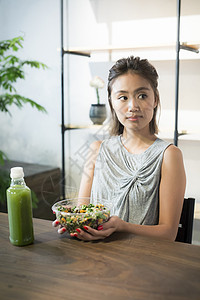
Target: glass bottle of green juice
x=19, y=205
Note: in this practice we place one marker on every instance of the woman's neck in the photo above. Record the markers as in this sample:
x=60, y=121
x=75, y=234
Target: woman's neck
x=136, y=142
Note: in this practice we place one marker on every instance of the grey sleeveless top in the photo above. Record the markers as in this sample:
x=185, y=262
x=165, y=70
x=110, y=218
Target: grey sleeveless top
x=129, y=183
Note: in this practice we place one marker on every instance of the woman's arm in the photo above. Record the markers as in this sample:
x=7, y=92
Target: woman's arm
x=88, y=172
x=172, y=189
x=171, y=195
x=86, y=180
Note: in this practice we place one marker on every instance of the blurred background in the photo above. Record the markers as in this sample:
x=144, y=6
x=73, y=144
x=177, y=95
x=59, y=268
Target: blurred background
x=107, y=30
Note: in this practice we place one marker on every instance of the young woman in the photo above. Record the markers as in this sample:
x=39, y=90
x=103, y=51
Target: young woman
x=141, y=176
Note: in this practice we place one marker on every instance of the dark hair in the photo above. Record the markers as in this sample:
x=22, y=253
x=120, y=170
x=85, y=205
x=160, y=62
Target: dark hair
x=143, y=68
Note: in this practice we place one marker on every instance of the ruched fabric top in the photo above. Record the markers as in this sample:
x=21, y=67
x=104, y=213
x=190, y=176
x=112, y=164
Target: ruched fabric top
x=129, y=183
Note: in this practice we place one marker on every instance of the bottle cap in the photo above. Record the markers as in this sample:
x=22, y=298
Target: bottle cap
x=16, y=172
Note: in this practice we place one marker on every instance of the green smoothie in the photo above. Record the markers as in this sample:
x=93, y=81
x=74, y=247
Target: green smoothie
x=20, y=215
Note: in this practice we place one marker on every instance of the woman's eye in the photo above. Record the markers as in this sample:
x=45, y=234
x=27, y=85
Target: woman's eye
x=142, y=96
x=122, y=98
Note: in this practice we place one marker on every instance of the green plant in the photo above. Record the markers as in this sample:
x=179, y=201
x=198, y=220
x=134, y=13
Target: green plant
x=4, y=184
x=2, y=157
x=12, y=69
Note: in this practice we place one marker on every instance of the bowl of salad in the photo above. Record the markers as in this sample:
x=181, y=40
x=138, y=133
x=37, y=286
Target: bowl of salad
x=73, y=214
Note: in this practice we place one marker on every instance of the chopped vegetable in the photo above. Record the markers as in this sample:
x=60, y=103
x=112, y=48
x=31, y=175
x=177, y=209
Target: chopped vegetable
x=84, y=215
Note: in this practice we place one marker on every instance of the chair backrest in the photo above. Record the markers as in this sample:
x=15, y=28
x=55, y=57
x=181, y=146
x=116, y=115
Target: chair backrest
x=185, y=228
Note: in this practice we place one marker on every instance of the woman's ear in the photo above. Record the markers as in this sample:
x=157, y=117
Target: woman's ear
x=156, y=99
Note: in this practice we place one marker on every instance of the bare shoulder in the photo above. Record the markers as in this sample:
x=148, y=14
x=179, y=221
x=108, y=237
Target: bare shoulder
x=172, y=153
x=95, y=145
x=94, y=150
x=173, y=161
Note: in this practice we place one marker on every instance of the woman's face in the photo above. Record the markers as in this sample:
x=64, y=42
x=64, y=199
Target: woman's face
x=133, y=101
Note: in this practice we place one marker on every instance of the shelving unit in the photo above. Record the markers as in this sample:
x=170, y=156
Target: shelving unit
x=192, y=46
x=63, y=126
x=179, y=46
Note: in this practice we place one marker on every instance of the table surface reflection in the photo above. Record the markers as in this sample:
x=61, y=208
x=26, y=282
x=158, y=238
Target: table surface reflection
x=123, y=266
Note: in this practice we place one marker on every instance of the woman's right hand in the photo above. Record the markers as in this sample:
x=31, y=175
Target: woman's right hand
x=61, y=228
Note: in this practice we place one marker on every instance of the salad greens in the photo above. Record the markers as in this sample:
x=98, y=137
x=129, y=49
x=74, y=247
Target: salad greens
x=80, y=216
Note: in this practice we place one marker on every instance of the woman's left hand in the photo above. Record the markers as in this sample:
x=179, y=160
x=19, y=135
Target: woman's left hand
x=103, y=231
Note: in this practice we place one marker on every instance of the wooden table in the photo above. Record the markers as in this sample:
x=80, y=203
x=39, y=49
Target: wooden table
x=123, y=266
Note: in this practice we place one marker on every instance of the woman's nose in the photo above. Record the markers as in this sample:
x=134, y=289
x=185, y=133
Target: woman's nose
x=133, y=105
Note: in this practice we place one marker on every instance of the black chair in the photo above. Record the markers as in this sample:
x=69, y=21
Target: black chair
x=185, y=227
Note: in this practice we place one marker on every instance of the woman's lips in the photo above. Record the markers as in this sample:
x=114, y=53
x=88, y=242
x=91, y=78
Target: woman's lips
x=133, y=118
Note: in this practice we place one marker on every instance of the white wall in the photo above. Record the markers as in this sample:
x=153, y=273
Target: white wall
x=30, y=135
x=35, y=137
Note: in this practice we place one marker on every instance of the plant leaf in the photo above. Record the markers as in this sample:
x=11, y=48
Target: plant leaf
x=3, y=156
x=10, y=99
x=12, y=69
x=34, y=64
x=4, y=184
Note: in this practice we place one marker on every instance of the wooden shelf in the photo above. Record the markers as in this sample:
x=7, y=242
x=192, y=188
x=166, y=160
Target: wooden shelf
x=188, y=136
x=74, y=127
x=193, y=46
